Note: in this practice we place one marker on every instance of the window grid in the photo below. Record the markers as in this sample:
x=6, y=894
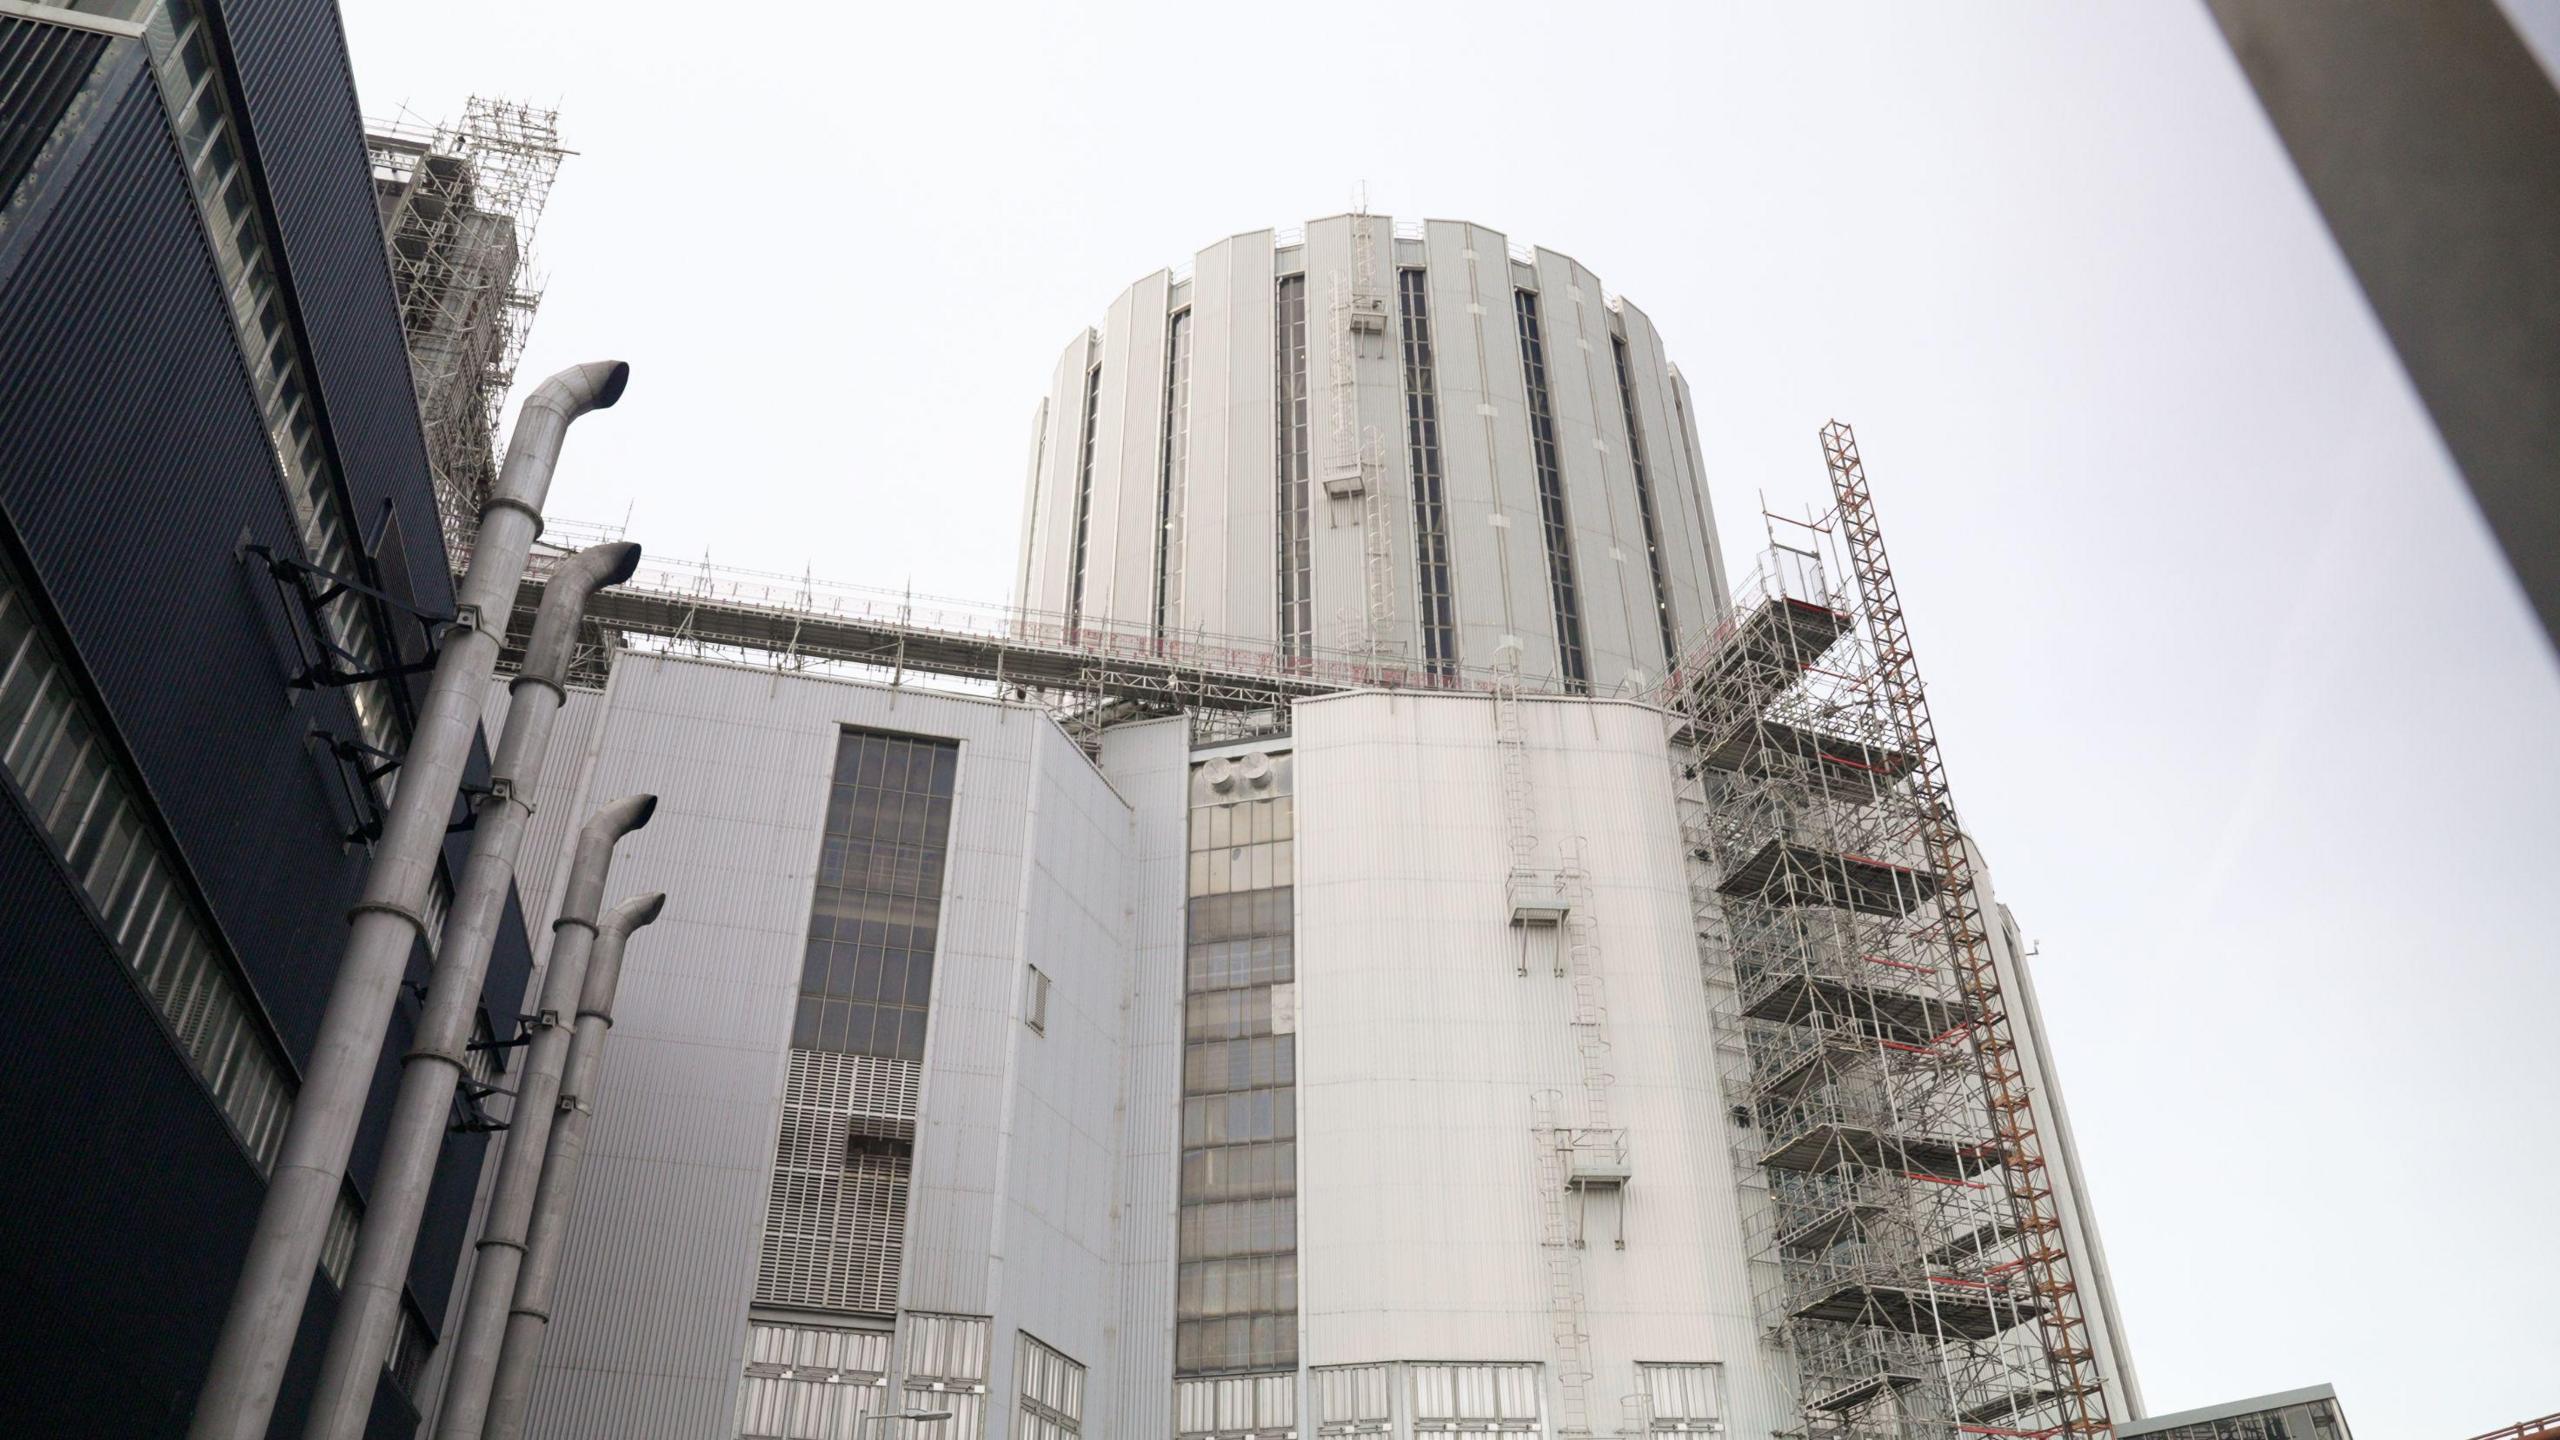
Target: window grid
x=81, y=797
x=1682, y=1399
x=1175, y=469
x=1295, y=474
x=200, y=118
x=1430, y=506
x=1664, y=620
x=1236, y=1288
x=1035, y=999
x=809, y=1380
x=867, y=971
x=1552, y=517
x=1084, y=499
x=1050, y=1388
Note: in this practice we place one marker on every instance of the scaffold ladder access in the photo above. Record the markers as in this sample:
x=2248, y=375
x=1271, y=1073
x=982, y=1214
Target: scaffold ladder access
x=2037, y=1209
x=1905, y=1242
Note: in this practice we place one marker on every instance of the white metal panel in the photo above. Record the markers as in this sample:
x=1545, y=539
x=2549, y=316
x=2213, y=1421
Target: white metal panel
x=1251, y=438
x=1125, y=530
x=1421, y=1047
x=1685, y=415
x=1208, y=500
x=1687, y=533
x=1608, y=540
x=2053, y=1121
x=1480, y=519
x=1030, y=521
x=649, y=1336
x=1149, y=764
x=1052, y=514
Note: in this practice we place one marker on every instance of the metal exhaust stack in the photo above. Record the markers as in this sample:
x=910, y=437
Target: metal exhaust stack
x=369, y=1307
x=529, y=1320
x=239, y=1395
x=502, y=1234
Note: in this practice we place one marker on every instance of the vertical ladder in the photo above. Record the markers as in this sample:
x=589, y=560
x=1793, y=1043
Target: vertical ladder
x=1565, y=1324
x=1353, y=466
x=2061, y=1322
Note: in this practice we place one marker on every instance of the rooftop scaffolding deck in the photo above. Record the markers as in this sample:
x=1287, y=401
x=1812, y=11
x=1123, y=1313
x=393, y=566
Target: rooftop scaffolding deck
x=1782, y=873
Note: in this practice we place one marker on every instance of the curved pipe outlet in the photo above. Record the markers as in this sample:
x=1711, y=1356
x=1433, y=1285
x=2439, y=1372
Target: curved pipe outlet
x=616, y=820
x=534, y=449
x=630, y=915
x=564, y=604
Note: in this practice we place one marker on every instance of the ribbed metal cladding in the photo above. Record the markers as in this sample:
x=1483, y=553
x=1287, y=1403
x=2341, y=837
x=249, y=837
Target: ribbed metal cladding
x=309, y=136
x=118, y=296
x=41, y=68
x=127, y=398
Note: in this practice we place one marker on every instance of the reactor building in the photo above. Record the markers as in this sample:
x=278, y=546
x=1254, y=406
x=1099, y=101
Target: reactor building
x=1385, y=938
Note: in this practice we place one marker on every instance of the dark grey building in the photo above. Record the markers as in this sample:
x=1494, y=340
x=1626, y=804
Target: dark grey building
x=219, y=553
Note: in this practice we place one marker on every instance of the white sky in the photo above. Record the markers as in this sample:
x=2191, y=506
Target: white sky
x=2234, y=689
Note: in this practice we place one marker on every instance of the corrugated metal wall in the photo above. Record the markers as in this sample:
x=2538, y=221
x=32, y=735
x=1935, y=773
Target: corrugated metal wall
x=291, y=59
x=136, y=465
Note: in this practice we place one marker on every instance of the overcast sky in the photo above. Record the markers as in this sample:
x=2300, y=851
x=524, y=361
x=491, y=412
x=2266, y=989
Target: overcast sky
x=2233, y=688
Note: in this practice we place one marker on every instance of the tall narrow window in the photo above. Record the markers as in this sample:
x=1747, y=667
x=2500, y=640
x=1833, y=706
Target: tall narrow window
x=835, y=1218
x=1084, y=500
x=1236, y=1295
x=1296, y=498
x=1551, y=507
x=1662, y=616
x=1177, y=459
x=1430, y=508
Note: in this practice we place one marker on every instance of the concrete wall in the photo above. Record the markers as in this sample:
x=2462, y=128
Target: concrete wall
x=1224, y=587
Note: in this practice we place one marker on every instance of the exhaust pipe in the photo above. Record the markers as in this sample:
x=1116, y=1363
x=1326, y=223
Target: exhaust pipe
x=529, y=1320
x=369, y=1307
x=502, y=1234
x=239, y=1395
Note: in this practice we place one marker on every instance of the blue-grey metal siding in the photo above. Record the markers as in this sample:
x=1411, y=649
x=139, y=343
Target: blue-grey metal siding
x=132, y=1200
x=135, y=465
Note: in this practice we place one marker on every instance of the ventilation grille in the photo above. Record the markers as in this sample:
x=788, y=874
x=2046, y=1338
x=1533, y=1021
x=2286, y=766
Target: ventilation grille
x=835, y=1223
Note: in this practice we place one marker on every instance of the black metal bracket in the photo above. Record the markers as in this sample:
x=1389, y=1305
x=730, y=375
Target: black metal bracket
x=359, y=766
x=470, y=808
x=310, y=591
x=520, y=1039
x=476, y=1119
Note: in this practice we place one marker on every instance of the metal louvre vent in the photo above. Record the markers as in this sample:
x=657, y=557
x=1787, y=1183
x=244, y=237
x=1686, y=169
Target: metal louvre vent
x=835, y=1222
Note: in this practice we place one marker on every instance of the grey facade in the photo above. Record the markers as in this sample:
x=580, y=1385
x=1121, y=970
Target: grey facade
x=1466, y=448
x=205, y=374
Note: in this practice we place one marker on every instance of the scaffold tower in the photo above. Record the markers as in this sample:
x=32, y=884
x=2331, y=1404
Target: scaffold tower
x=460, y=203
x=1908, y=1238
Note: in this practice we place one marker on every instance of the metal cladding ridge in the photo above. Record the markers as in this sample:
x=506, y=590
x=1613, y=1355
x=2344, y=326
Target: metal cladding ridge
x=369, y=1312
x=249, y=1360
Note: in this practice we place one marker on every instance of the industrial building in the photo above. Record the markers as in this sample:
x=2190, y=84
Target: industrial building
x=1382, y=937
x=221, y=563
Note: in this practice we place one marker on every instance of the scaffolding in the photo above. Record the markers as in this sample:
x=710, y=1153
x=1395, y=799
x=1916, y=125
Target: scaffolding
x=1909, y=1251
x=459, y=205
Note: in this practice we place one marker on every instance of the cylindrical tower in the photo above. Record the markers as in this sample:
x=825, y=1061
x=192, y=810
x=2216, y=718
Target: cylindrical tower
x=1415, y=444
